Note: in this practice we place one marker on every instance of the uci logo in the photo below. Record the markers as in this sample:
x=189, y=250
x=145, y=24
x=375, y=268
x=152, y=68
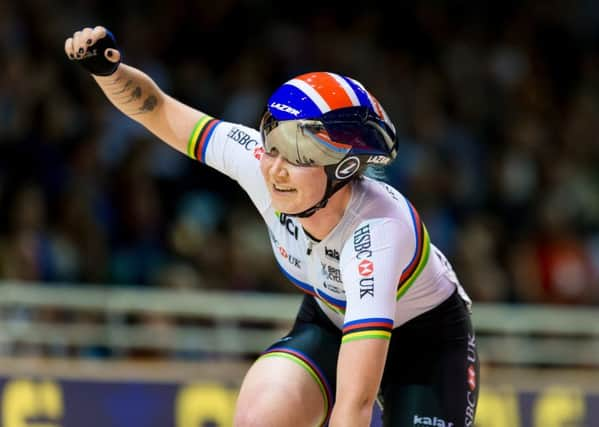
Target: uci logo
x=347, y=167
x=288, y=224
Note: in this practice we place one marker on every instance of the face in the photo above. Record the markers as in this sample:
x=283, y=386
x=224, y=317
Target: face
x=293, y=189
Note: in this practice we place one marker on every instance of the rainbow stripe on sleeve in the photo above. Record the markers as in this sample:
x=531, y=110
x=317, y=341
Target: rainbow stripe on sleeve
x=420, y=258
x=198, y=140
x=377, y=327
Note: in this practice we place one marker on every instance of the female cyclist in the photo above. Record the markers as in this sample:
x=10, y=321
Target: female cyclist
x=384, y=317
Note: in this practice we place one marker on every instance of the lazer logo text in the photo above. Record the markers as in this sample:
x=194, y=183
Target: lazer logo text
x=378, y=160
x=284, y=108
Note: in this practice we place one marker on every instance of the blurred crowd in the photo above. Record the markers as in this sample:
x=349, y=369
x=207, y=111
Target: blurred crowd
x=497, y=105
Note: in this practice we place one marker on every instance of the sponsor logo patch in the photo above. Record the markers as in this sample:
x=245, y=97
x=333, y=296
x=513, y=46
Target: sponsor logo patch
x=258, y=152
x=331, y=253
x=333, y=288
x=430, y=421
x=290, y=258
x=362, y=244
x=243, y=139
x=347, y=167
x=284, y=108
x=366, y=268
x=331, y=273
x=289, y=225
x=367, y=287
x=471, y=377
x=392, y=192
x=472, y=393
x=378, y=160
x=283, y=252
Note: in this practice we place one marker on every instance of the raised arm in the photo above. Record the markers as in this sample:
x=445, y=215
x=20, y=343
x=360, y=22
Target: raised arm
x=130, y=90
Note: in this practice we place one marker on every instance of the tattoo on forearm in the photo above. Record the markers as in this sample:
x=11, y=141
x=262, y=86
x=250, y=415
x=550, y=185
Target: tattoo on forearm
x=115, y=81
x=127, y=85
x=135, y=95
x=148, y=105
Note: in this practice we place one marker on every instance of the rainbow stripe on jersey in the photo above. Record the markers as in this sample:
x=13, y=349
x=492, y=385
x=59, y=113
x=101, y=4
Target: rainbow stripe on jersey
x=337, y=305
x=421, y=254
x=376, y=327
x=198, y=140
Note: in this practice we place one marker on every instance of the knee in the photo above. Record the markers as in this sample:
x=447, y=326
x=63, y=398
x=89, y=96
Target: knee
x=245, y=419
x=270, y=409
x=252, y=414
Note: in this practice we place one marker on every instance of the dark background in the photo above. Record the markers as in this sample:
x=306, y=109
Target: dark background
x=496, y=103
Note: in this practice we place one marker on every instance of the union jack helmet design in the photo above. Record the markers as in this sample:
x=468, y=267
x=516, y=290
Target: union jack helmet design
x=329, y=120
x=318, y=95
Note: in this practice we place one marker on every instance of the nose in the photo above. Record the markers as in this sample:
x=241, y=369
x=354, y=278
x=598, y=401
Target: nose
x=278, y=168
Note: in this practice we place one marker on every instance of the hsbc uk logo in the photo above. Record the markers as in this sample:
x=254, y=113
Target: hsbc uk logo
x=243, y=139
x=258, y=152
x=471, y=377
x=472, y=392
x=290, y=258
x=366, y=268
x=362, y=244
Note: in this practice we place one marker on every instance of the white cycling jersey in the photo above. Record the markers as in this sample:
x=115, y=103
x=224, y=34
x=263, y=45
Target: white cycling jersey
x=375, y=270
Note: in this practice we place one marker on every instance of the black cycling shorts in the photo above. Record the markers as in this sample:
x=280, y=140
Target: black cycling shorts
x=431, y=376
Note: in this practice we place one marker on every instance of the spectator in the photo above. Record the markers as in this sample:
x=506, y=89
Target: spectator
x=499, y=134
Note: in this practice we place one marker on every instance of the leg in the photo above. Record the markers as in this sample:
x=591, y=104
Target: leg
x=432, y=373
x=278, y=391
x=443, y=397
x=293, y=382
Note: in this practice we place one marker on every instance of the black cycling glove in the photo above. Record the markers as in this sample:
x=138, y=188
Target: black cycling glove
x=94, y=60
